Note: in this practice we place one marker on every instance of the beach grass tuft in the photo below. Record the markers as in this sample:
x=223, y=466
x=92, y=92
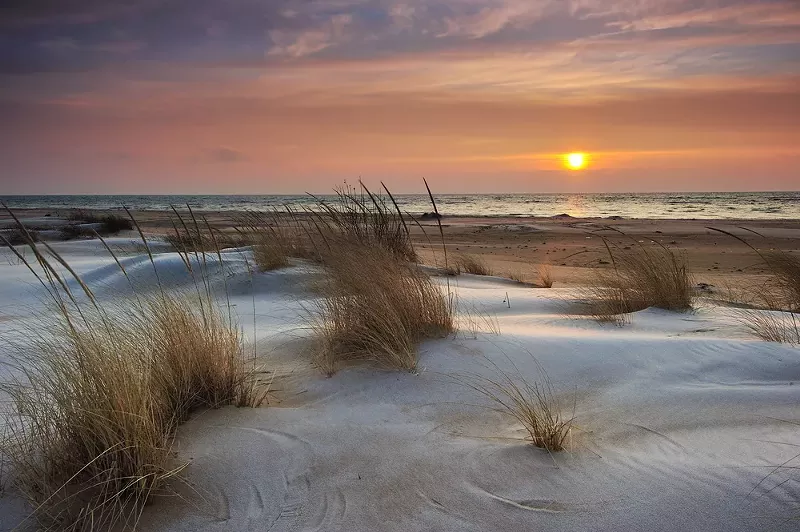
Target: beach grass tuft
x=357, y=215
x=646, y=274
x=775, y=303
x=99, y=390
x=473, y=264
x=532, y=403
x=111, y=223
x=544, y=275
x=376, y=307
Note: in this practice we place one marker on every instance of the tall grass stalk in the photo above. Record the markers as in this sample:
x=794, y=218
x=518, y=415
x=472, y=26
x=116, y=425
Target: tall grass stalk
x=642, y=276
x=531, y=403
x=98, y=396
x=777, y=300
x=358, y=215
x=379, y=316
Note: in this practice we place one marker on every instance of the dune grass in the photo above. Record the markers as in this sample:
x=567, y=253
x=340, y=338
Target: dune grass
x=110, y=223
x=100, y=389
x=544, y=274
x=473, y=264
x=531, y=403
x=518, y=275
x=18, y=237
x=192, y=234
x=775, y=303
x=376, y=307
x=358, y=215
x=274, y=237
x=377, y=304
x=646, y=274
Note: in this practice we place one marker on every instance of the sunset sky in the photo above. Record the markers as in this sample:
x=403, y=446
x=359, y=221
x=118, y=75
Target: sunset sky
x=287, y=96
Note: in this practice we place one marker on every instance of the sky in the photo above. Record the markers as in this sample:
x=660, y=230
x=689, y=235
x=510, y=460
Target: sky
x=292, y=96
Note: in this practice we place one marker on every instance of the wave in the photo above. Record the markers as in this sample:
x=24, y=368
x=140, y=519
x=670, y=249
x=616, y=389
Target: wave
x=768, y=205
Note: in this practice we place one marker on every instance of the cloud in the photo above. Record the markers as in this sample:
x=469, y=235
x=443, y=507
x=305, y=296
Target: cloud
x=60, y=45
x=224, y=154
x=67, y=45
x=352, y=84
x=299, y=43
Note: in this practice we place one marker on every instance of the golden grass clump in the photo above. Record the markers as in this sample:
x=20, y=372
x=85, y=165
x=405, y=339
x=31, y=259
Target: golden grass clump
x=376, y=307
x=474, y=264
x=90, y=433
x=517, y=275
x=545, y=276
x=184, y=242
x=97, y=397
x=772, y=326
x=642, y=276
x=532, y=404
x=775, y=302
x=199, y=354
x=274, y=237
x=358, y=215
x=269, y=255
x=785, y=282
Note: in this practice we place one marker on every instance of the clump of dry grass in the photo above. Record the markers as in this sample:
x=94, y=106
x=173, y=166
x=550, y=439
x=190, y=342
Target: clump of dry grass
x=269, y=256
x=777, y=301
x=451, y=270
x=785, y=282
x=275, y=237
x=772, y=326
x=532, y=404
x=474, y=264
x=101, y=393
x=199, y=354
x=376, y=307
x=110, y=223
x=90, y=436
x=517, y=275
x=193, y=235
x=358, y=215
x=642, y=276
x=545, y=276
x=18, y=237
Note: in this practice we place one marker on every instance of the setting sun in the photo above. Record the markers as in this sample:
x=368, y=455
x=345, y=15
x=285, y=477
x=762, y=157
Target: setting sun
x=575, y=161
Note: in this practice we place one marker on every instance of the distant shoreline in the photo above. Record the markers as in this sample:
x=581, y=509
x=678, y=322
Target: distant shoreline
x=495, y=219
x=665, y=206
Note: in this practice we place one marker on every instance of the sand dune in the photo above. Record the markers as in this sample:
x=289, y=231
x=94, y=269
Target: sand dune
x=681, y=419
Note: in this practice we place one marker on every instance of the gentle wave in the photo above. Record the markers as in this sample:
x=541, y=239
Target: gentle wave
x=723, y=205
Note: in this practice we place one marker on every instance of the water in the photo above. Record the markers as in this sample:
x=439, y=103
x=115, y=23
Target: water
x=708, y=205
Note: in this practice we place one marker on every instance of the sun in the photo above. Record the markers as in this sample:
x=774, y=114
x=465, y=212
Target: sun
x=575, y=161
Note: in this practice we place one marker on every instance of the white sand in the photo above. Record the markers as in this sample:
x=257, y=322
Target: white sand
x=678, y=416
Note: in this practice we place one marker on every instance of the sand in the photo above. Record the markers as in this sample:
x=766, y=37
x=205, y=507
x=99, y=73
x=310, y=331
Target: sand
x=571, y=247
x=681, y=419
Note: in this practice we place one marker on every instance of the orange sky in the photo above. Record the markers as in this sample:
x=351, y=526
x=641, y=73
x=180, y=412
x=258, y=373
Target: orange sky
x=289, y=96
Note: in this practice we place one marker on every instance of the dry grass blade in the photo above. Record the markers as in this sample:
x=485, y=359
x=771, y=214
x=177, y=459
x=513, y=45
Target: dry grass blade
x=98, y=396
x=643, y=276
x=777, y=301
x=545, y=275
x=772, y=326
x=379, y=317
x=272, y=241
x=474, y=264
x=358, y=215
x=532, y=404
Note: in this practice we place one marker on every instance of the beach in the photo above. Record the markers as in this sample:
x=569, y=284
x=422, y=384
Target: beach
x=570, y=246
x=681, y=420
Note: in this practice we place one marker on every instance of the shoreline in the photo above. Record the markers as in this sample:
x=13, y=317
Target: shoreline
x=451, y=218
x=571, y=247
